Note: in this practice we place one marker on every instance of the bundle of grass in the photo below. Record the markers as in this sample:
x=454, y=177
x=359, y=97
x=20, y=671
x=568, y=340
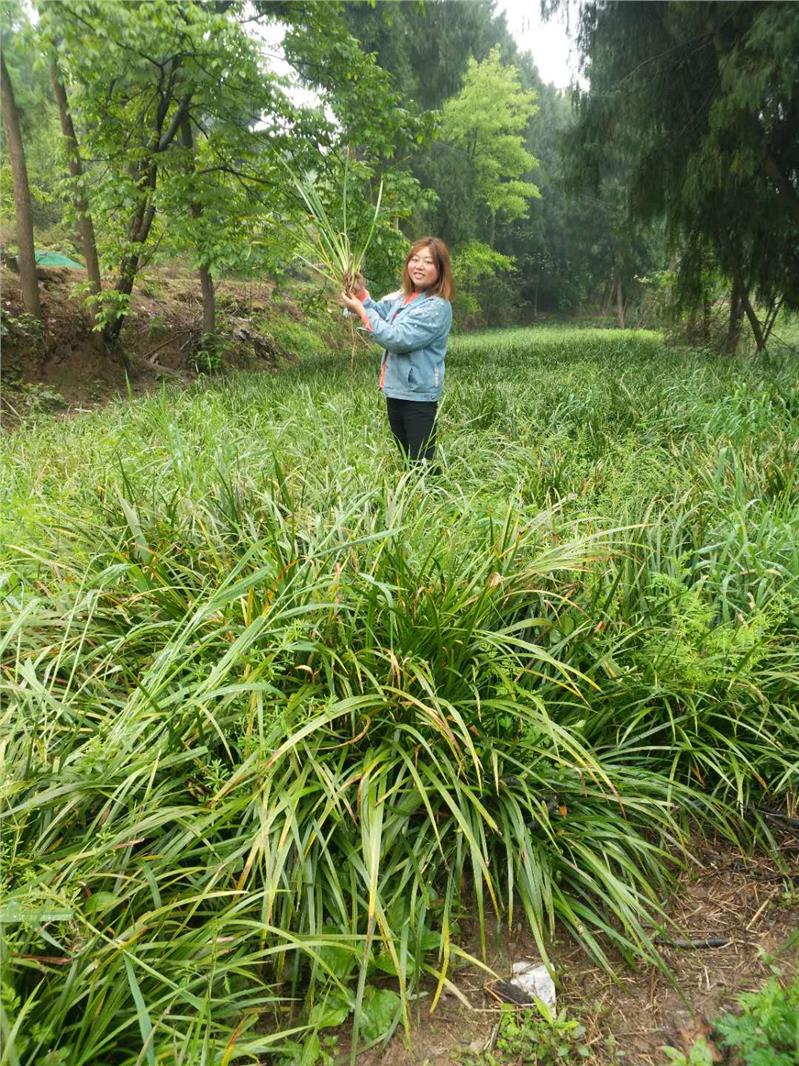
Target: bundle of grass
x=334, y=249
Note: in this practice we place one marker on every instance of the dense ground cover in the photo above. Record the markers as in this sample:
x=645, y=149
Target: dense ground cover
x=278, y=715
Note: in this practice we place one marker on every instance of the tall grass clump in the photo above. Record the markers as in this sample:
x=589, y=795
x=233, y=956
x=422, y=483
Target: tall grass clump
x=331, y=248
x=290, y=732
x=330, y=244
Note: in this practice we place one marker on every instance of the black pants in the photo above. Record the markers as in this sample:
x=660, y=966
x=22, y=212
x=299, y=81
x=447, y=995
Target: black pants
x=413, y=423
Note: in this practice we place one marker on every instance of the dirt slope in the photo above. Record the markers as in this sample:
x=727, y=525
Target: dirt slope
x=64, y=365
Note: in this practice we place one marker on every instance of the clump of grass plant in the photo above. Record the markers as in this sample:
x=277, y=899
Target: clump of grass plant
x=331, y=246
x=289, y=731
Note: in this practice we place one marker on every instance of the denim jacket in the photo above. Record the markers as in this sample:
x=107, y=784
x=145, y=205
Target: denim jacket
x=414, y=336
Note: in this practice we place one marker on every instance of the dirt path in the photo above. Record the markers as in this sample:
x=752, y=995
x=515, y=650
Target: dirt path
x=743, y=899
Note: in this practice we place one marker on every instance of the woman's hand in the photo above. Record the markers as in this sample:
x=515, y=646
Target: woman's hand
x=352, y=303
x=355, y=286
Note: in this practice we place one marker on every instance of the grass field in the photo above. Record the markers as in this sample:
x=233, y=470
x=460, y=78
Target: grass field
x=279, y=716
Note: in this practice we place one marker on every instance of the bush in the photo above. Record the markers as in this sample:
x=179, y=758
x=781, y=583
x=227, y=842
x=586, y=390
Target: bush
x=477, y=271
x=766, y=1032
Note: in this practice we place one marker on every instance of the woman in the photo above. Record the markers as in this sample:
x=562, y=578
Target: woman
x=412, y=326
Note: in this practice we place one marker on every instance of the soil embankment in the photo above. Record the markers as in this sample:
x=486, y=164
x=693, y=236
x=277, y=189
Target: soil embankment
x=62, y=364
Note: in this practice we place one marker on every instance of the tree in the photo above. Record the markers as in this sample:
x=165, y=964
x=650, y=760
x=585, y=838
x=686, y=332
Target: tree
x=427, y=45
x=22, y=196
x=485, y=122
x=702, y=102
x=85, y=224
x=27, y=55
x=143, y=71
x=151, y=78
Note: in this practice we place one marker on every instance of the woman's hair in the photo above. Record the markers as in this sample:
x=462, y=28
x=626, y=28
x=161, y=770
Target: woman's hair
x=438, y=250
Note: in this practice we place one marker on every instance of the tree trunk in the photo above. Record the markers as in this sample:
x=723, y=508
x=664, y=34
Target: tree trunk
x=206, y=281
x=22, y=197
x=771, y=317
x=85, y=225
x=619, y=300
x=138, y=232
x=734, y=321
x=209, y=300
x=146, y=177
x=754, y=322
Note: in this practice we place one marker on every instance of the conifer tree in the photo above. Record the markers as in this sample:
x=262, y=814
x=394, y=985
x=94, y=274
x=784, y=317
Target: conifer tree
x=702, y=102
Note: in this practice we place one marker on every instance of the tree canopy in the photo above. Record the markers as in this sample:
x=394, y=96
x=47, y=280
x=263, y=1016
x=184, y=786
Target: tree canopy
x=486, y=121
x=702, y=102
x=171, y=127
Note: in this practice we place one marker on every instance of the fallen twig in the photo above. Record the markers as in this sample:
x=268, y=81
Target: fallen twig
x=680, y=942
x=778, y=816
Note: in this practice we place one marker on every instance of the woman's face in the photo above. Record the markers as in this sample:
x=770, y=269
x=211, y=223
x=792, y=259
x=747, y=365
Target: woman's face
x=422, y=269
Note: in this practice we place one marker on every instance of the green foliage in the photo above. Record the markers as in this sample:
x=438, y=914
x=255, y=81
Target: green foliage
x=699, y=1054
x=33, y=400
x=472, y=265
x=108, y=306
x=485, y=122
x=222, y=202
x=548, y=1039
x=190, y=129
x=700, y=103
x=22, y=325
x=427, y=47
x=536, y=1036
x=567, y=250
x=300, y=338
x=766, y=1032
x=690, y=646
x=277, y=712
x=209, y=356
x=38, y=120
x=134, y=74
x=373, y=113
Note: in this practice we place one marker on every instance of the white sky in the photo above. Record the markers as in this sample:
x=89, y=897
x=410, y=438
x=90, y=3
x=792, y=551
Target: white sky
x=550, y=46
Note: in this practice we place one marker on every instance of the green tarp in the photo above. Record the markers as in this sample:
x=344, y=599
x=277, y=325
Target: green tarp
x=55, y=259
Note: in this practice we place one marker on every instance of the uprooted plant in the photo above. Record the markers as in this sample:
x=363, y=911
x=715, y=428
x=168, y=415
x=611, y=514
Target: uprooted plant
x=334, y=243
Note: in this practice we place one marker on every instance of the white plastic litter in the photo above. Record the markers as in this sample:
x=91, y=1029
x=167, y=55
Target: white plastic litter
x=534, y=979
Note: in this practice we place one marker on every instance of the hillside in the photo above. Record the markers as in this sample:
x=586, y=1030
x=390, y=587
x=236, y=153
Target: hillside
x=65, y=366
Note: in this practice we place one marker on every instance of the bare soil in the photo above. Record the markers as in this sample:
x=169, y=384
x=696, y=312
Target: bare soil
x=751, y=901
x=64, y=365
